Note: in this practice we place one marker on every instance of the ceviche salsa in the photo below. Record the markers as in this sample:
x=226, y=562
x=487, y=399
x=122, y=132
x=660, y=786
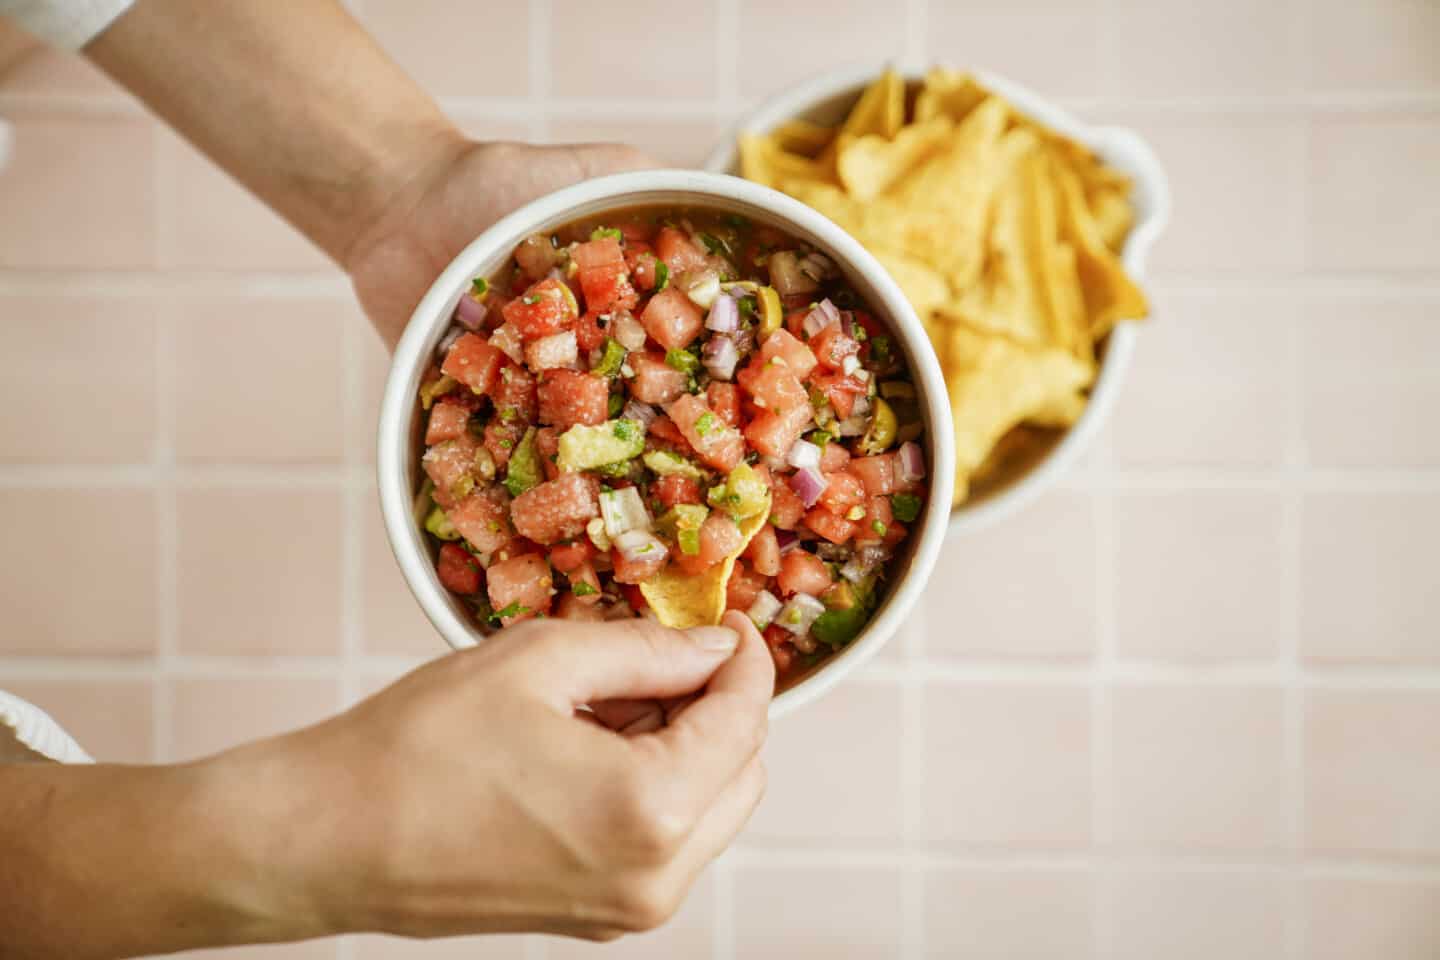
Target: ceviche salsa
x=671, y=412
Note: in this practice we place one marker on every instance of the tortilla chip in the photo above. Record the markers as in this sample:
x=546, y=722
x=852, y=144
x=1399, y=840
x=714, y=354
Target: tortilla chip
x=762, y=160
x=802, y=137
x=868, y=166
x=1110, y=295
x=948, y=93
x=880, y=109
x=681, y=600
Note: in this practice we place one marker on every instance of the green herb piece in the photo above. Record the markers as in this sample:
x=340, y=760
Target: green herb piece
x=879, y=527
x=530, y=299
x=662, y=275
x=736, y=221
x=747, y=307
x=525, y=469
x=705, y=423
x=516, y=609
x=600, y=233
x=626, y=429
x=905, y=506
x=682, y=360
x=583, y=589
x=713, y=244
x=612, y=358
x=479, y=287
x=820, y=438
x=880, y=348
x=614, y=405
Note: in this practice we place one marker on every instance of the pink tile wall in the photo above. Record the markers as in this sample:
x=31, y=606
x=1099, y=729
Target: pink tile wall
x=1183, y=706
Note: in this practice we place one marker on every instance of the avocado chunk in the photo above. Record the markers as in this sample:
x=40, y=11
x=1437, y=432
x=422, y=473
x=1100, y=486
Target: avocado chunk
x=584, y=447
x=743, y=494
x=668, y=464
x=439, y=524
x=683, y=522
x=524, y=470
x=612, y=358
x=839, y=627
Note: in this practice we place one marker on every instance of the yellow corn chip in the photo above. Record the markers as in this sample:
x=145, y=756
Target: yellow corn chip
x=1110, y=295
x=868, y=166
x=802, y=137
x=681, y=600
x=762, y=160
x=947, y=93
x=880, y=109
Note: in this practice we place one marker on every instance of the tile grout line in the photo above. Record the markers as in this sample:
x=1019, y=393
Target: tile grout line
x=912, y=790
x=162, y=486
x=1101, y=705
x=351, y=516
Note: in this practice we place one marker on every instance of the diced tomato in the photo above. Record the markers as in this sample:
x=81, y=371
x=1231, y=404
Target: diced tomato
x=782, y=651
x=773, y=385
x=764, y=552
x=500, y=440
x=675, y=489
x=786, y=507
x=671, y=319
x=545, y=308
x=633, y=596
x=773, y=434
x=643, y=266
x=719, y=445
x=795, y=319
x=691, y=564
x=677, y=250
x=483, y=518
x=474, y=362
x=583, y=609
x=588, y=333
x=568, y=397
x=565, y=557
x=458, y=569
x=841, y=391
x=655, y=381
x=877, y=473
x=523, y=581
x=601, y=254
x=878, y=511
x=783, y=345
x=833, y=458
x=871, y=326
x=553, y=352
x=832, y=345
x=636, y=571
x=724, y=400
x=448, y=465
x=604, y=276
x=585, y=573
x=803, y=572
x=636, y=231
x=842, y=491
x=744, y=586
x=447, y=422
x=557, y=509
x=719, y=537
x=834, y=528
x=663, y=428
x=514, y=395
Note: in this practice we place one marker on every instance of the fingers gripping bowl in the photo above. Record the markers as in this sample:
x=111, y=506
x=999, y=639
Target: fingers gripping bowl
x=767, y=222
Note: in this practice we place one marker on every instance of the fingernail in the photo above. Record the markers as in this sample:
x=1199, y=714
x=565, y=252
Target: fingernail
x=720, y=639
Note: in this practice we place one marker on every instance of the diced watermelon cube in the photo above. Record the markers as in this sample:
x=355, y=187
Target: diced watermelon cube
x=784, y=346
x=718, y=444
x=678, y=251
x=568, y=397
x=447, y=422
x=483, y=518
x=557, y=509
x=522, y=584
x=473, y=362
x=546, y=307
x=671, y=319
x=655, y=381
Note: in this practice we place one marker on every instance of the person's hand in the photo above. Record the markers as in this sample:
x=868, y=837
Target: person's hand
x=471, y=796
x=468, y=188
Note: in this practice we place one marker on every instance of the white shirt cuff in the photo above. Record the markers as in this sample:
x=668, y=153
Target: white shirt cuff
x=35, y=728
x=69, y=24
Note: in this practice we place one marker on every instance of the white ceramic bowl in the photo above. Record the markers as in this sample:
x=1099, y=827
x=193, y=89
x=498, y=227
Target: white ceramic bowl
x=827, y=99
x=400, y=421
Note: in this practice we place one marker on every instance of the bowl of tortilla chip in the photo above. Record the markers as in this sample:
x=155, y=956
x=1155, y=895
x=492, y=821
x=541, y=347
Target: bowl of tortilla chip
x=1018, y=233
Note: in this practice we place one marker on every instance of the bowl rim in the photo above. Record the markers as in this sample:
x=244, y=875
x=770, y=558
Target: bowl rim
x=1119, y=145
x=432, y=315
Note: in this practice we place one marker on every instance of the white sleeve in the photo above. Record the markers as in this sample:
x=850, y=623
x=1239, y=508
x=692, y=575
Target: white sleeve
x=69, y=24
x=37, y=731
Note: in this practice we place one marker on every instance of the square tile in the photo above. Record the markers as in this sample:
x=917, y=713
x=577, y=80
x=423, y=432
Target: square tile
x=1236, y=184
x=688, y=934
x=1372, y=772
x=259, y=571
x=670, y=141
x=58, y=213
x=1370, y=384
x=1354, y=918
x=587, y=42
x=491, y=947
x=214, y=223
x=1211, y=385
x=91, y=365
x=992, y=913
x=1196, y=575
x=1053, y=45
x=1197, y=914
x=460, y=49
x=985, y=586
x=103, y=541
x=1368, y=579
x=1174, y=48
x=1198, y=769
x=391, y=621
x=112, y=719
x=776, y=912
x=46, y=70
x=1374, y=192
x=374, y=362
x=214, y=713
x=1006, y=767
x=1382, y=45
x=812, y=757
x=225, y=346
x=784, y=44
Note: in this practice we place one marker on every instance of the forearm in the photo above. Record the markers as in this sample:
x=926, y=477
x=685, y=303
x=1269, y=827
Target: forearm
x=113, y=861
x=293, y=99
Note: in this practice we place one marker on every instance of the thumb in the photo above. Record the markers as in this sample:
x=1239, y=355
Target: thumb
x=635, y=658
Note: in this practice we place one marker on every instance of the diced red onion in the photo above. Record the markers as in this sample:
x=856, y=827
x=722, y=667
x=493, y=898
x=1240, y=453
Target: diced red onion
x=854, y=570
x=701, y=285
x=642, y=413
x=744, y=340
x=724, y=315
x=824, y=314
x=762, y=611
x=508, y=341
x=804, y=454
x=470, y=313
x=640, y=545
x=625, y=328
x=872, y=555
x=448, y=341
x=788, y=540
x=786, y=276
x=720, y=357
x=808, y=484
x=816, y=265
x=909, y=464
x=850, y=364
x=854, y=425
x=798, y=615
